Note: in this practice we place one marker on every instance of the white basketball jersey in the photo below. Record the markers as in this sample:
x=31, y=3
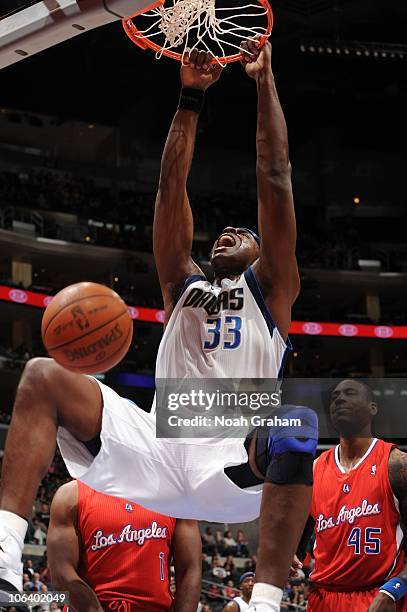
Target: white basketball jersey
x=213, y=332
x=221, y=331
x=242, y=605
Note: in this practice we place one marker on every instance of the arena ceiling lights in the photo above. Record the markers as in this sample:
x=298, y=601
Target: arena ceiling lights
x=343, y=48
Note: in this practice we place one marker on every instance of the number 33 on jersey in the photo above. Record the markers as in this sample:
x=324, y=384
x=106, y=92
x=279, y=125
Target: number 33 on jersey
x=221, y=331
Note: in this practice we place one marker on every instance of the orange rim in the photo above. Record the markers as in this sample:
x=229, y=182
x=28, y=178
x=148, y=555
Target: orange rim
x=146, y=43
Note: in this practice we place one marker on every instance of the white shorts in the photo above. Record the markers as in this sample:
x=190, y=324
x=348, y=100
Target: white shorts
x=177, y=477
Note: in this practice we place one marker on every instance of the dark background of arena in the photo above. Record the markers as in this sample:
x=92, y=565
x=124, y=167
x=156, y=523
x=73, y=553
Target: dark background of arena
x=82, y=127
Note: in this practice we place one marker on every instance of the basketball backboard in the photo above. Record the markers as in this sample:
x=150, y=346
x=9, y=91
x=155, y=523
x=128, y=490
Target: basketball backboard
x=43, y=24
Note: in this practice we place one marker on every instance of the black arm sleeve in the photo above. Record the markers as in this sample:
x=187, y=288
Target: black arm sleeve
x=305, y=538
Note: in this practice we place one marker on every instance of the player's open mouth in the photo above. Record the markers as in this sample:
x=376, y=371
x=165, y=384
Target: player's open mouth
x=226, y=241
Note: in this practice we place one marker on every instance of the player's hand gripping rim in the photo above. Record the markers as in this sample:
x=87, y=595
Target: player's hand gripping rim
x=256, y=60
x=198, y=70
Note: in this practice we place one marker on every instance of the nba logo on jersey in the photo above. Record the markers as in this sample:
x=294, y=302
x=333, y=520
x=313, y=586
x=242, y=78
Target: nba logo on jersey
x=373, y=470
x=129, y=508
x=346, y=488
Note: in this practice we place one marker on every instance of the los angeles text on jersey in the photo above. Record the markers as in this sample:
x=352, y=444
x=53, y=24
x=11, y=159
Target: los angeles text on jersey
x=347, y=515
x=226, y=300
x=129, y=534
x=240, y=421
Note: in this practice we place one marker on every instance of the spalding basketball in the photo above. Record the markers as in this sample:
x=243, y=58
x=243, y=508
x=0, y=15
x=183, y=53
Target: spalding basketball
x=87, y=328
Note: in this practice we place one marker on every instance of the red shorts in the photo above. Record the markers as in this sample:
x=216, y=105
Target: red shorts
x=321, y=600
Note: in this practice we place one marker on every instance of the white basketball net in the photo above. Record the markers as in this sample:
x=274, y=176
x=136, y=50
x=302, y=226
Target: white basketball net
x=201, y=18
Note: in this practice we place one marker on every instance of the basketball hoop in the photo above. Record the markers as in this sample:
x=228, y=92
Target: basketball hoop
x=180, y=26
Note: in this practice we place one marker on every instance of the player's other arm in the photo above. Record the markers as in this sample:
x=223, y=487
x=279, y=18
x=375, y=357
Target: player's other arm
x=306, y=535
x=276, y=269
x=187, y=551
x=173, y=223
x=63, y=546
x=396, y=588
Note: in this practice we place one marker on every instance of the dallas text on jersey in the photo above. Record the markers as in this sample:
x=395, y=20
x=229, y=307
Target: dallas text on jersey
x=226, y=300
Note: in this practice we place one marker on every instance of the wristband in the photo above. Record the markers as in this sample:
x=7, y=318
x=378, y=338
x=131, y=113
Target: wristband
x=191, y=99
x=395, y=588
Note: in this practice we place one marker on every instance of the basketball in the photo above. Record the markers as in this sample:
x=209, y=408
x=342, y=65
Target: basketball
x=87, y=328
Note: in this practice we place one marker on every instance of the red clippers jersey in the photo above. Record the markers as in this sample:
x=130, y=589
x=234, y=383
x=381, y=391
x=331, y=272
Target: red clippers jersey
x=126, y=551
x=357, y=524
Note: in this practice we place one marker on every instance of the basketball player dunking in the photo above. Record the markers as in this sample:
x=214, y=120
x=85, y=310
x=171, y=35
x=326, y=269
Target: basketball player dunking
x=359, y=501
x=111, y=444
x=90, y=533
x=237, y=326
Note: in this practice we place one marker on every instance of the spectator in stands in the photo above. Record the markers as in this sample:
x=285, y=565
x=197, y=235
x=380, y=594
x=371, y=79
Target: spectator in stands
x=230, y=566
x=229, y=591
x=208, y=541
x=35, y=584
x=29, y=568
x=26, y=582
x=250, y=565
x=205, y=564
x=242, y=544
x=42, y=493
x=285, y=603
x=298, y=598
x=217, y=569
x=215, y=557
x=302, y=602
x=230, y=543
x=214, y=593
x=220, y=544
x=40, y=531
x=44, y=514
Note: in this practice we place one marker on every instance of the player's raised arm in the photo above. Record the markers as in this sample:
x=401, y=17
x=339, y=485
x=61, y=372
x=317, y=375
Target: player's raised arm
x=276, y=269
x=173, y=222
x=395, y=589
x=63, y=546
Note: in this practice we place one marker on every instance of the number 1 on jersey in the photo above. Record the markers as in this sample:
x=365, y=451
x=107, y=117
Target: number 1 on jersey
x=162, y=555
